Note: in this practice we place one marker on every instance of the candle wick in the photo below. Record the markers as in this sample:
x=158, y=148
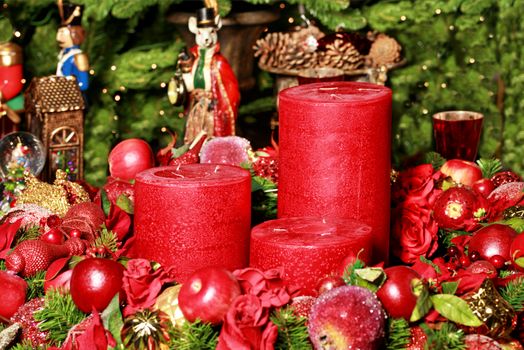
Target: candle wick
x=335, y=96
x=178, y=167
x=324, y=221
x=216, y=169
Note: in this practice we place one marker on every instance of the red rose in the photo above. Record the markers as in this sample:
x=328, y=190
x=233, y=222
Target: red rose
x=410, y=180
x=95, y=336
x=142, y=284
x=247, y=326
x=267, y=285
x=414, y=233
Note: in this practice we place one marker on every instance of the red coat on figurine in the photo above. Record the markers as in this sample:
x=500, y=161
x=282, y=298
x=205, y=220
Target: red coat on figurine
x=210, y=81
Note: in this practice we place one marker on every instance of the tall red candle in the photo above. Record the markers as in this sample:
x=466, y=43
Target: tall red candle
x=193, y=216
x=308, y=248
x=335, y=148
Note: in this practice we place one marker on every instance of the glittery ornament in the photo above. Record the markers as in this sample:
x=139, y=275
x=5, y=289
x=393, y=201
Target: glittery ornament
x=302, y=305
x=21, y=149
x=498, y=316
x=167, y=302
x=85, y=217
x=31, y=214
x=348, y=317
x=57, y=197
x=8, y=335
x=481, y=342
x=146, y=329
x=32, y=256
x=30, y=330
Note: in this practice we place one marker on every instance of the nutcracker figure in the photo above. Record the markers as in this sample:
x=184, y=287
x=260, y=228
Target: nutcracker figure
x=213, y=100
x=71, y=60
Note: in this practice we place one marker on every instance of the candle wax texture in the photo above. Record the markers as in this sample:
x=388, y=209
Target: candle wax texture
x=308, y=248
x=335, y=149
x=193, y=216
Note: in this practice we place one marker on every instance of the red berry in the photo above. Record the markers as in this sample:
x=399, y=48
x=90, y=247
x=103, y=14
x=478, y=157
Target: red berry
x=75, y=233
x=474, y=256
x=498, y=261
x=453, y=251
x=328, y=283
x=53, y=221
x=464, y=261
x=53, y=236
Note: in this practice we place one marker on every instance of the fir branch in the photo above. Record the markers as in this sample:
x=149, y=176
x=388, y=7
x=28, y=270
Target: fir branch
x=505, y=273
x=435, y=159
x=58, y=315
x=399, y=334
x=192, y=336
x=350, y=276
x=448, y=337
x=489, y=166
x=35, y=285
x=447, y=235
x=513, y=292
x=107, y=239
x=292, y=330
x=2, y=265
x=27, y=345
x=27, y=233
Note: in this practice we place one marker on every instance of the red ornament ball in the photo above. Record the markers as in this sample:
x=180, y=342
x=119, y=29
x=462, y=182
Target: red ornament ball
x=493, y=240
x=454, y=207
x=53, y=236
x=130, y=157
x=94, y=283
x=207, y=294
x=329, y=282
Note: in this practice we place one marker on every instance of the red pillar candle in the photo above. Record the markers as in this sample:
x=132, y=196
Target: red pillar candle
x=193, y=216
x=308, y=248
x=335, y=148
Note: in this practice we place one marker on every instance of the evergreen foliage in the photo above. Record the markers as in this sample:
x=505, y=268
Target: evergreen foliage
x=513, y=292
x=292, y=330
x=399, y=334
x=196, y=335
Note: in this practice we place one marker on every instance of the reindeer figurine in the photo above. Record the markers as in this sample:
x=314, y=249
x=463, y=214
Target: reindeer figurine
x=213, y=101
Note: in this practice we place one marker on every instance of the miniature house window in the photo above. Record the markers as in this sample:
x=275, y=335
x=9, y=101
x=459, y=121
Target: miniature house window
x=64, y=151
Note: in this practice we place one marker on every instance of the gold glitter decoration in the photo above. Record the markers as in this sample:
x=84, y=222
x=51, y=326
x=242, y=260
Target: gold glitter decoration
x=167, y=302
x=498, y=316
x=57, y=197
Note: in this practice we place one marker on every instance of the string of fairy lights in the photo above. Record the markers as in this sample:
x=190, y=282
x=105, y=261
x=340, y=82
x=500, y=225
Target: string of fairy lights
x=118, y=96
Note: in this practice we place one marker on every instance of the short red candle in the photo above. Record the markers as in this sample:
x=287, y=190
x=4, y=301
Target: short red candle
x=335, y=149
x=308, y=248
x=193, y=216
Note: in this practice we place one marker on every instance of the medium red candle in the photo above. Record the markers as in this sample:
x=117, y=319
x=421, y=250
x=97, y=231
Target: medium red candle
x=335, y=148
x=193, y=216
x=308, y=248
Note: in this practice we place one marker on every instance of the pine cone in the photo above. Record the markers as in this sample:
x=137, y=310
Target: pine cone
x=384, y=50
x=283, y=51
x=341, y=55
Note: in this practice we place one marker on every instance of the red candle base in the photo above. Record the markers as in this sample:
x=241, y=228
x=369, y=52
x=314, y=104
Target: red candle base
x=193, y=216
x=308, y=248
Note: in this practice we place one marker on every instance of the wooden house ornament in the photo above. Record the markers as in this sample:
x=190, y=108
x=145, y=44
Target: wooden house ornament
x=55, y=113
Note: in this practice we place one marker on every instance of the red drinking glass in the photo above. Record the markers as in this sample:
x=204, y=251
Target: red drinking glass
x=457, y=134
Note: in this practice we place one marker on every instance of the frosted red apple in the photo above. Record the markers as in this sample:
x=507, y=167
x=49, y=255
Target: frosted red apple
x=13, y=294
x=130, y=157
x=462, y=171
x=207, y=294
x=396, y=294
x=94, y=283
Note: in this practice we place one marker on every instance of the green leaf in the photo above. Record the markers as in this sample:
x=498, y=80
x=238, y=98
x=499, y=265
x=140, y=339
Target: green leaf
x=177, y=152
x=516, y=223
x=424, y=303
x=125, y=204
x=520, y=261
x=449, y=287
x=371, y=278
x=113, y=321
x=106, y=203
x=455, y=309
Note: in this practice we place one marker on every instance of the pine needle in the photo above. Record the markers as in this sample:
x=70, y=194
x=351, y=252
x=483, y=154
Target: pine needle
x=35, y=285
x=107, y=239
x=489, y=167
x=513, y=292
x=58, y=315
x=24, y=234
x=448, y=337
x=435, y=159
x=195, y=335
x=292, y=330
x=399, y=334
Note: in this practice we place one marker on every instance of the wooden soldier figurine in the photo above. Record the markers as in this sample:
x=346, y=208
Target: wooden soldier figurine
x=71, y=60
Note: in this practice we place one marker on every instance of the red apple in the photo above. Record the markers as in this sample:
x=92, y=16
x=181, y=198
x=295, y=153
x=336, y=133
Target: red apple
x=130, y=157
x=207, y=295
x=13, y=294
x=483, y=187
x=396, y=294
x=462, y=171
x=493, y=240
x=94, y=283
x=517, y=252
